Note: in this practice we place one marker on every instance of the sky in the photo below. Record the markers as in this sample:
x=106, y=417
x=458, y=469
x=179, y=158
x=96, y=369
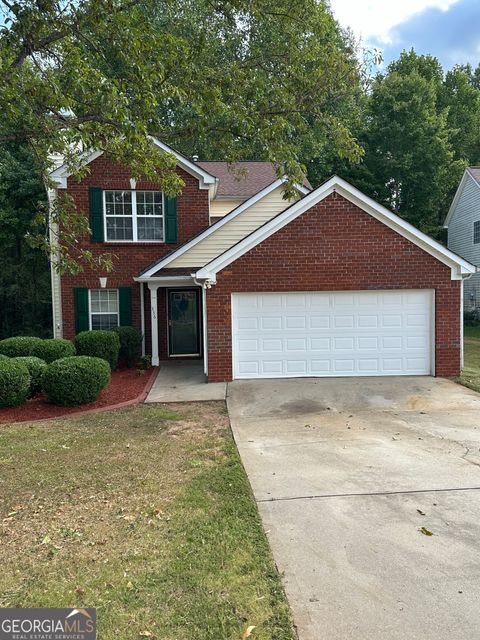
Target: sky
x=447, y=29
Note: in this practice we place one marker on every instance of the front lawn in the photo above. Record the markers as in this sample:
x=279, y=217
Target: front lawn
x=471, y=372
x=144, y=513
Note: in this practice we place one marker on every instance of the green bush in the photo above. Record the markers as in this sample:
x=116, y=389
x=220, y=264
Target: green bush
x=130, y=345
x=53, y=349
x=99, y=344
x=19, y=346
x=36, y=368
x=14, y=383
x=75, y=380
x=2, y=357
x=471, y=318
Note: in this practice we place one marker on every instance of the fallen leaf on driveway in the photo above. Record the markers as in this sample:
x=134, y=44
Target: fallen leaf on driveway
x=422, y=513
x=425, y=532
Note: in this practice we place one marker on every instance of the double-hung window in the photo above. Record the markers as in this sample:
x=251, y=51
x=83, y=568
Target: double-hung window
x=104, y=309
x=134, y=216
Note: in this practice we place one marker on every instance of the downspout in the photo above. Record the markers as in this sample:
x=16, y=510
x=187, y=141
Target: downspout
x=142, y=317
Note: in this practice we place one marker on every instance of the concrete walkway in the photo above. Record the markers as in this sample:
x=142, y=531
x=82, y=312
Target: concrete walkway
x=351, y=476
x=184, y=381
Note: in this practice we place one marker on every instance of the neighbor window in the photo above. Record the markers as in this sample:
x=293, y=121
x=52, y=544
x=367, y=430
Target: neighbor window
x=134, y=215
x=104, y=312
x=476, y=232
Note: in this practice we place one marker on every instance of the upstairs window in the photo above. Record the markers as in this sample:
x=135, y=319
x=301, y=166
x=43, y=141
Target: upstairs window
x=476, y=232
x=134, y=216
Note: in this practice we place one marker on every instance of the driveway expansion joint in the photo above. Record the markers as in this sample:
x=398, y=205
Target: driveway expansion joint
x=365, y=494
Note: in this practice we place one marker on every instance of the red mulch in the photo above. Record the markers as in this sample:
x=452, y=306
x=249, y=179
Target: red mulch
x=125, y=385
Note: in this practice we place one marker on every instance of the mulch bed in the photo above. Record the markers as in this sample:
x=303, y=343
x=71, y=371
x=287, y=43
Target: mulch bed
x=126, y=386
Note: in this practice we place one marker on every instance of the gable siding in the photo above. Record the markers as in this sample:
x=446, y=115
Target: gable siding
x=233, y=231
x=220, y=208
x=460, y=238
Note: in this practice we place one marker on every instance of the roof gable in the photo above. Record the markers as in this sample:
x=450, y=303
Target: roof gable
x=458, y=265
x=206, y=179
x=471, y=174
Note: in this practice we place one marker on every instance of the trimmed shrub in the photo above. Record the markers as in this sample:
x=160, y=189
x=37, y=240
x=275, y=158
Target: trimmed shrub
x=75, y=380
x=53, y=349
x=36, y=368
x=2, y=357
x=19, y=346
x=130, y=345
x=14, y=382
x=99, y=344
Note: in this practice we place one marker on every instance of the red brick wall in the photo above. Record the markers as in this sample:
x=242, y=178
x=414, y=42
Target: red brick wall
x=332, y=247
x=192, y=217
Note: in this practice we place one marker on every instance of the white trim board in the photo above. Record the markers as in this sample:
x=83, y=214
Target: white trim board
x=459, y=266
x=218, y=225
x=206, y=180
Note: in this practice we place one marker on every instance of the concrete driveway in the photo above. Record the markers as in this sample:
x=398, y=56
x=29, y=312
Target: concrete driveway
x=346, y=473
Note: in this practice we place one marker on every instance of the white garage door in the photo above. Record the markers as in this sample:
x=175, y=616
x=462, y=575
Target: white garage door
x=360, y=333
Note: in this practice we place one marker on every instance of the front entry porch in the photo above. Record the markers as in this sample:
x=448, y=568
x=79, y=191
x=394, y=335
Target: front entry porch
x=184, y=381
x=177, y=318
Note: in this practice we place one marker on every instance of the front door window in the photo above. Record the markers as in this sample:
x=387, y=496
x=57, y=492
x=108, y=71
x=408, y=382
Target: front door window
x=183, y=323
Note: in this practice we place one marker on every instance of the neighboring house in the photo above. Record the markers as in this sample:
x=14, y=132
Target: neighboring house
x=332, y=284
x=463, y=224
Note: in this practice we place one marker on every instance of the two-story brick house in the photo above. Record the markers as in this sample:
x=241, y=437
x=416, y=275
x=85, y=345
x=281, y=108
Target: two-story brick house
x=331, y=284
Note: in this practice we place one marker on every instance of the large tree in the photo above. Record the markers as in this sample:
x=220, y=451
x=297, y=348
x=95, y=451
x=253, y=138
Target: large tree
x=229, y=79
x=410, y=164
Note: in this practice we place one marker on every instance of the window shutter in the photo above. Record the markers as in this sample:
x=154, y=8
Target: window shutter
x=81, y=310
x=125, y=306
x=170, y=220
x=96, y=213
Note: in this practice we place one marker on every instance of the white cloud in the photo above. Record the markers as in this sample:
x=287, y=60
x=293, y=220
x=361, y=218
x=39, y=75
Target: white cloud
x=373, y=19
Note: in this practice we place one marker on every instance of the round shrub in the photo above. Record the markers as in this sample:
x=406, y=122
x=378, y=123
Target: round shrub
x=75, y=380
x=36, y=368
x=53, y=349
x=14, y=383
x=19, y=346
x=2, y=357
x=99, y=344
x=130, y=345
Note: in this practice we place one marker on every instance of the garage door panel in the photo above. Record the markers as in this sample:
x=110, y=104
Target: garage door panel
x=360, y=333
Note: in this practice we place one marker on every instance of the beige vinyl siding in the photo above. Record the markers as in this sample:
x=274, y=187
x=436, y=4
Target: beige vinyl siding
x=220, y=208
x=233, y=231
x=460, y=238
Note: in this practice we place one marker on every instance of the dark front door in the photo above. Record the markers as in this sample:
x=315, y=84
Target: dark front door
x=183, y=322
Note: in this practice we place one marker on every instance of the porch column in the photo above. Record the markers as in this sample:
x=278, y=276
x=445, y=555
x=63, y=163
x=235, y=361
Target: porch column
x=154, y=311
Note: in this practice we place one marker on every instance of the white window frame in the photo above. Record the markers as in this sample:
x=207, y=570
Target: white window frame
x=134, y=217
x=476, y=222
x=100, y=313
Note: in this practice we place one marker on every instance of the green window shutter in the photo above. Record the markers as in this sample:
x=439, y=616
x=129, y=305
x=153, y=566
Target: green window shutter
x=96, y=213
x=82, y=322
x=170, y=220
x=125, y=305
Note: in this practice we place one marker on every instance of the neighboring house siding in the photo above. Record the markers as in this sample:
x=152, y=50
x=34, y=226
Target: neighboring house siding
x=334, y=246
x=460, y=238
x=131, y=257
x=233, y=231
x=220, y=208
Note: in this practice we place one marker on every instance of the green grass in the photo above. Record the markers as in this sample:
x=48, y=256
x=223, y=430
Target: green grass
x=144, y=513
x=471, y=371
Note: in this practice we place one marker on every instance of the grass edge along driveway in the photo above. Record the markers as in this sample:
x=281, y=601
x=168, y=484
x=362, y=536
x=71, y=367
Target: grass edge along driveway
x=144, y=513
